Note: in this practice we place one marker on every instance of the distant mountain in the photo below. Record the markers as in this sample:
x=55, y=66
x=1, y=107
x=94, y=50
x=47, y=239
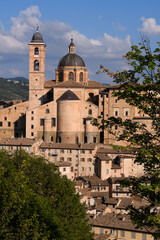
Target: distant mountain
x=14, y=89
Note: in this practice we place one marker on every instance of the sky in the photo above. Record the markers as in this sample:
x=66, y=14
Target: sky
x=102, y=30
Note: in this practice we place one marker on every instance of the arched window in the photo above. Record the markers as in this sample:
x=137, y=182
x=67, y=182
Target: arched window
x=90, y=111
x=36, y=51
x=81, y=77
x=71, y=76
x=61, y=76
x=36, y=65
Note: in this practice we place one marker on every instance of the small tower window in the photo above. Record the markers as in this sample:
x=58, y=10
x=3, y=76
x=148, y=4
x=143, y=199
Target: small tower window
x=36, y=65
x=81, y=77
x=36, y=51
x=47, y=110
x=90, y=112
x=71, y=76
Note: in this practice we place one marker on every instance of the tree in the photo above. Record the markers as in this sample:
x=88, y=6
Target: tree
x=36, y=202
x=140, y=87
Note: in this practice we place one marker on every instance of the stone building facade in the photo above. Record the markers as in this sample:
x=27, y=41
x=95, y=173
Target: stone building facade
x=59, y=110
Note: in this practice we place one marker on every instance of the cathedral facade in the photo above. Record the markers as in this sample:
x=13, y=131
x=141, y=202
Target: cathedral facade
x=58, y=110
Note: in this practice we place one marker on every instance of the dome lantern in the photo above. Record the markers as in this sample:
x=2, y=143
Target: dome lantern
x=71, y=47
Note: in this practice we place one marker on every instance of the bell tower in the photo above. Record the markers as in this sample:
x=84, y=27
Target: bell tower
x=36, y=69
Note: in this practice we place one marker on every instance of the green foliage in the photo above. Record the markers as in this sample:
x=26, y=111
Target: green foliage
x=11, y=91
x=37, y=203
x=140, y=87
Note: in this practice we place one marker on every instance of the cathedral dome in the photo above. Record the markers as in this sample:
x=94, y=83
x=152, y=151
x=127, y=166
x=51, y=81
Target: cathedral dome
x=71, y=59
x=37, y=37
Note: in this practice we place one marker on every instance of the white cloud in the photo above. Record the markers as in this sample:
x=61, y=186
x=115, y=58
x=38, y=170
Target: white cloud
x=25, y=22
x=57, y=36
x=149, y=26
x=9, y=44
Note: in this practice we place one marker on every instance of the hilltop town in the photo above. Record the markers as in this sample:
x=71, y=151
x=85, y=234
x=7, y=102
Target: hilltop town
x=55, y=123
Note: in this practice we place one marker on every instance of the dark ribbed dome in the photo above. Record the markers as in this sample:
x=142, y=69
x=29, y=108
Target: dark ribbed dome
x=37, y=37
x=71, y=60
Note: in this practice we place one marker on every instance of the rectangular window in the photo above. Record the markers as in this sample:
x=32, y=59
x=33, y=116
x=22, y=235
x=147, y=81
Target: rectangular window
x=69, y=151
x=94, y=139
x=62, y=159
x=101, y=230
x=41, y=122
x=82, y=169
x=133, y=235
x=32, y=118
x=107, y=171
x=82, y=151
x=69, y=159
x=32, y=134
x=89, y=169
x=62, y=150
x=112, y=231
x=89, y=160
x=53, y=122
x=122, y=233
x=71, y=169
x=144, y=237
x=116, y=187
x=32, y=112
x=83, y=160
x=107, y=161
x=9, y=124
x=1, y=124
x=90, y=151
x=64, y=169
x=32, y=126
x=5, y=118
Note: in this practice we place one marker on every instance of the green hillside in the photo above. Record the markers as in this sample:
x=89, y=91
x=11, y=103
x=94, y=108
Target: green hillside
x=14, y=89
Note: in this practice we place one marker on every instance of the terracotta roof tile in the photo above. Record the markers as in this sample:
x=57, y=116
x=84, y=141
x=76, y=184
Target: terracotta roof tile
x=62, y=164
x=119, y=221
x=67, y=146
x=123, y=203
x=50, y=84
x=113, y=201
x=18, y=142
x=73, y=84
